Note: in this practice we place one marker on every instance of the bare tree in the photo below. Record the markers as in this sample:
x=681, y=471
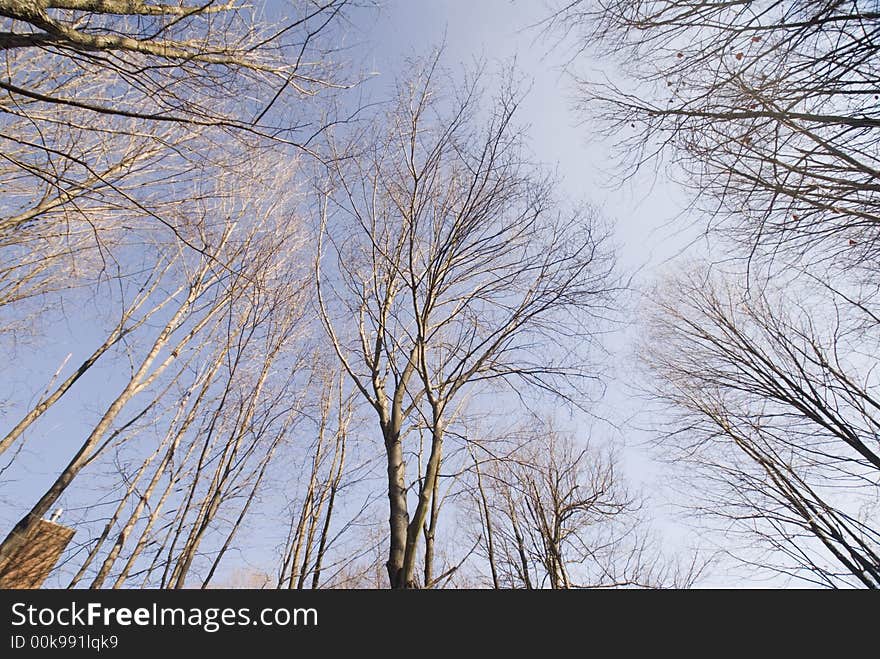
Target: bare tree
x=130, y=136
x=769, y=109
x=775, y=413
x=113, y=112
x=170, y=62
x=459, y=268
x=204, y=292
x=769, y=106
x=128, y=323
x=555, y=514
x=309, y=537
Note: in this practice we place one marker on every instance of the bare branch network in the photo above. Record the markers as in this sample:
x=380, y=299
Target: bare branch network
x=301, y=340
x=765, y=355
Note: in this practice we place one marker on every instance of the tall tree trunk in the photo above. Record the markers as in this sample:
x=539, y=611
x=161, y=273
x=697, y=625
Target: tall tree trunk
x=398, y=514
x=520, y=546
x=490, y=541
x=430, y=534
x=336, y=469
x=325, y=530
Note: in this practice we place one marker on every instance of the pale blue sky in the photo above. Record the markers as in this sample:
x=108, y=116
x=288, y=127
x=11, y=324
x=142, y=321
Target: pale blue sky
x=498, y=31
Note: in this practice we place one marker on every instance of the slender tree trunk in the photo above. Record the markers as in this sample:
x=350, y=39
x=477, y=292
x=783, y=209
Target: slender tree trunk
x=325, y=530
x=139, y=508
x=207, y=511
x=156, y=510
x=211, y=434
x=430, y=534
x=264, y=463
x=520, y=547
x=299, y=538
x=224, y=474
x=306, y=513
x=490, y=542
